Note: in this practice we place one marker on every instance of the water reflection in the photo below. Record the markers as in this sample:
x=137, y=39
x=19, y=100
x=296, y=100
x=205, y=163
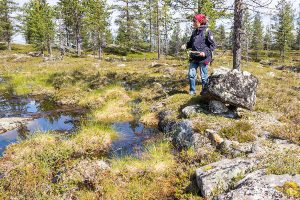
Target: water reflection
x=46, y=114
x=131, y=137
x=62, y=123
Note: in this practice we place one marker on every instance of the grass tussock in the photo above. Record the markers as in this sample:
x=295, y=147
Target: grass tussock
x=284, y=162
x=29, y=167
x=132, y=178
x=241, y=131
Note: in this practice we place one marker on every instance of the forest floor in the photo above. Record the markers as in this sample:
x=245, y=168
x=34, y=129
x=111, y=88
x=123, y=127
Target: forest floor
x=51, y=165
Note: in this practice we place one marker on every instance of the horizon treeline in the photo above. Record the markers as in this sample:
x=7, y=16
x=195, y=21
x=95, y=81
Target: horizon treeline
x=149, y=26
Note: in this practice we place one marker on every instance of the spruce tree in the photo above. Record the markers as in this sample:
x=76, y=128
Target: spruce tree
x=257, y=35
x=7, y=7
x=283, y=26
x=38, y=25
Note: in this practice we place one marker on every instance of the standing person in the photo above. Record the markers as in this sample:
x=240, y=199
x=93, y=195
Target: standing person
x=202, y=45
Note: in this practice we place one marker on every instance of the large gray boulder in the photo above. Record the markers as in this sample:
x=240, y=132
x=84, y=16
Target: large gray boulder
x=258, y=185
x=233, y=87
x=217, y=177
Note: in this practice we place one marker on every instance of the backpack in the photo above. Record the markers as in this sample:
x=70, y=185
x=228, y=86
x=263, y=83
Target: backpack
x=206, y=38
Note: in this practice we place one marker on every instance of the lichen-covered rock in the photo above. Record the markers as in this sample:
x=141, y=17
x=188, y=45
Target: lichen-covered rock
x=166, y=120
x=235, y=148
x=217, y=107
x=258, y=185
x=217, y=177
x=234, y=87
x=183, y=135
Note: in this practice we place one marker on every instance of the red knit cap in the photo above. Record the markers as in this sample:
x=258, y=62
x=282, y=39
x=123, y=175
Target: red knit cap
x=200, y=17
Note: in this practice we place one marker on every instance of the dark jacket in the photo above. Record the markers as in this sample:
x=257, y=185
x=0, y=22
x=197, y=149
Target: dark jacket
x=199, y=42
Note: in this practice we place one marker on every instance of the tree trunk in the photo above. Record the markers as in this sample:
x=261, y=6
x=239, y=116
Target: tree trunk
x=247, y=49
x=100, y=46
x=49, y=48
x=237, y=50
x=78, y=43
x=158, y=32
x=150, y=25
x=9, y=45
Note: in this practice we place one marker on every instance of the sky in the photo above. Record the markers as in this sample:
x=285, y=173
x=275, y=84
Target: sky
x=265, y=17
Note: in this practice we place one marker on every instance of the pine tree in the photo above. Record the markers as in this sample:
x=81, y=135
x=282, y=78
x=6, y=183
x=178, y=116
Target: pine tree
x=213, y=9
x=72, y=14
x=97, y=14
x=257, y=35
x=128, y=21
x=7, y=7
x=38, y=25
x=283, y=26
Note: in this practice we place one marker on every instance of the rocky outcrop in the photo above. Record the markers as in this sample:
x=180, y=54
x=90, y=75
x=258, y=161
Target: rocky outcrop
x=233, y=87
x=217, y=177
x=258, y=185
x=11, y=123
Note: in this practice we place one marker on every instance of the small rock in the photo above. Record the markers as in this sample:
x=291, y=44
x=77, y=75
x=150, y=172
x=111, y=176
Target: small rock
x=235, y=148
x=102, y=164
x=217, y=107
x=271, y=74
x=121, y=65
x=192, y=110
x=155, y=64
x=214, y=137
x=182, y=134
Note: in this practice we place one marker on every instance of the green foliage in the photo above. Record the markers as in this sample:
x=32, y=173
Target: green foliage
x=38, y=25
x=7, y=7
x=96, y=20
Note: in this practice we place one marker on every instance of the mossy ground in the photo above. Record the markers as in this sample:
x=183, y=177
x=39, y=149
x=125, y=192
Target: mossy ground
x=108, y=90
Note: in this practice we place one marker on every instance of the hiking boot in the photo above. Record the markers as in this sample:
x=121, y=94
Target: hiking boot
x=192, y=93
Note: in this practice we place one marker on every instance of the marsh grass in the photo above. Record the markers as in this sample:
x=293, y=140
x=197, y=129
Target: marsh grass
x=107, y=91
x=241, y=131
